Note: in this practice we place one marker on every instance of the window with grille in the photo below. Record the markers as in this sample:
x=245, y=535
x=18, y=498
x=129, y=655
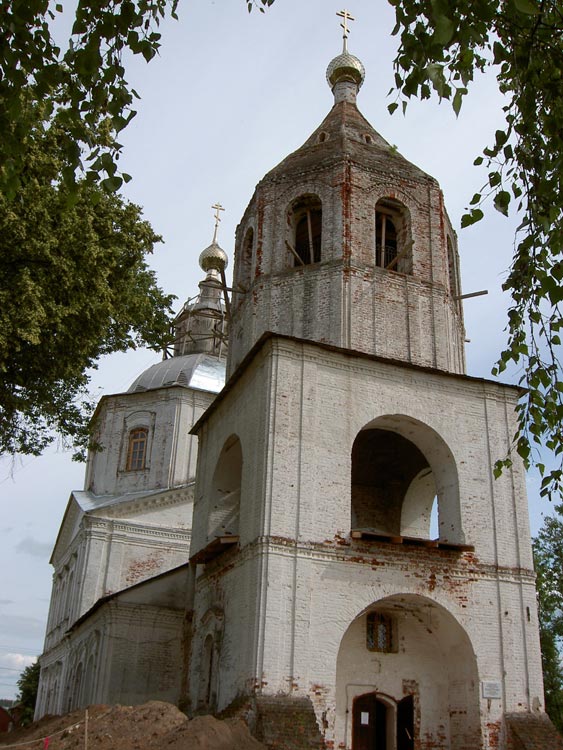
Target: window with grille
x=137, y=453
x=380, y=633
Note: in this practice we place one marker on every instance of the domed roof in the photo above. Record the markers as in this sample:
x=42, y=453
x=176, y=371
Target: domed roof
x=345, y=67
x=344, y=135
x=213, y=258
x=202, y=371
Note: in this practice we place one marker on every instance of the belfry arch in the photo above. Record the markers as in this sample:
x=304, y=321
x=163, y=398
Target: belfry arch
x=399, y=467
x=425, y=688
x=224, y=507
x=305, y=220
x=393, y=241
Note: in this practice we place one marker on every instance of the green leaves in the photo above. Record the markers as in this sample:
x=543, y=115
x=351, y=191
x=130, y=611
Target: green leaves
x=472, y=217
x=85, y=84
x=526, y=6
x=74, y=284
x=501, y=202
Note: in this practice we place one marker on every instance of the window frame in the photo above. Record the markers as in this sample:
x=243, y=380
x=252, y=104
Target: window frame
x=133, y=462
x=375, y=620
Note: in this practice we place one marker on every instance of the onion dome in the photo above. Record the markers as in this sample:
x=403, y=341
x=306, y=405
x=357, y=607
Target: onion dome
x=213, y=258
x=345, y=67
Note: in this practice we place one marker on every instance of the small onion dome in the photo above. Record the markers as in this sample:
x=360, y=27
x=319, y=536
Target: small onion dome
x=213, y=258
x=345, y=67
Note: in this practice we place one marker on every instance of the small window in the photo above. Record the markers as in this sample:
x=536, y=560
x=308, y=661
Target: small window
x=137, y=453
x=379, y=633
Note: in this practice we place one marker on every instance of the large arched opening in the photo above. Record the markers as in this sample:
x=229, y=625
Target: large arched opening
x=401, y=470
x=224, y=510
x=421, y=683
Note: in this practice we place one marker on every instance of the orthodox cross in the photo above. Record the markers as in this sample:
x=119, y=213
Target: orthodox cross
x=347, y=16
x=218, y=207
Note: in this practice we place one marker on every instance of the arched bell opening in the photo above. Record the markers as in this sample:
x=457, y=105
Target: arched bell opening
x=403, y=477
x=305, y=223
x=453, y=274
x=393, y=242
x=246, y=260
x=426, y=688
x=224, y=501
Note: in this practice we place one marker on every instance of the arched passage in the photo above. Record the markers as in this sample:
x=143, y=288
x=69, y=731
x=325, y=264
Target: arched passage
x=424, y=686
x=224, y=507
x=399, y=466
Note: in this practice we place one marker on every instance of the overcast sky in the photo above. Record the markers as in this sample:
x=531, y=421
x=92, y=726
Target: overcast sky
x=230, y=95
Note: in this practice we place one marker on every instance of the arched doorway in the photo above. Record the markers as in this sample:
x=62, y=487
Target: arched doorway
x=417, y=678
x=380, y=723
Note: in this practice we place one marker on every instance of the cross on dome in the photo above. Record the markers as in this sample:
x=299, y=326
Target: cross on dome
x=218, y=208
x=346, y=16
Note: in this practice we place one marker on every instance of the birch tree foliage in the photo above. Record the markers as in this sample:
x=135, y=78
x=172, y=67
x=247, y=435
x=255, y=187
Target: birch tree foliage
x=442, y=47
x=84, y=82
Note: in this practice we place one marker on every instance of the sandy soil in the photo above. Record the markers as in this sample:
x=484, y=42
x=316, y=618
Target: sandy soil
x=152, y=726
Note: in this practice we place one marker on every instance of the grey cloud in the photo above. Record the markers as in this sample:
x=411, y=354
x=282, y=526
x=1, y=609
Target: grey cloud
x=19, y=627
x=30, y=546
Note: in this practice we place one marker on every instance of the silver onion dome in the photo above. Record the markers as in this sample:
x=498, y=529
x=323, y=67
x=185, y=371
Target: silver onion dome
x=345, y=67
x=213, y=258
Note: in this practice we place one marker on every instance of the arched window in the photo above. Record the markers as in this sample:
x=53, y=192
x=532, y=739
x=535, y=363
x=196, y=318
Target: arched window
x=392, y=240
x=306, y=221
x=137, y=450
x=380, y=633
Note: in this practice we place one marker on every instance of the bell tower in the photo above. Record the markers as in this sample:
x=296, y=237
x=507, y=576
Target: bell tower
x=347, y=243
x=320, y=580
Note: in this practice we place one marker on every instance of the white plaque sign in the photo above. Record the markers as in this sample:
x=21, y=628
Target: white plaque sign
x=491, y=689
x=364, y=718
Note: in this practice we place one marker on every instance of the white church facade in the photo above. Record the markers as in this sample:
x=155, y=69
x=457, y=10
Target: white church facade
x=294, y=562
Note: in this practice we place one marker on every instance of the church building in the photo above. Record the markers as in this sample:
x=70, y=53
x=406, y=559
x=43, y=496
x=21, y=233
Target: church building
x=341, y=549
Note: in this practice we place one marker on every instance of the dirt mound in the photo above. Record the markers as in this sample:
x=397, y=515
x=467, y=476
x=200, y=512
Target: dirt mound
x=152, y=726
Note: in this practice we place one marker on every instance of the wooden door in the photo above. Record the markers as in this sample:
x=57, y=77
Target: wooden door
x=369, y=723
x=405, y=724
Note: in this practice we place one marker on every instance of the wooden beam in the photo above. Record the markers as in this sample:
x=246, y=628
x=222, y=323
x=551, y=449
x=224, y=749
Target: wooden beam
x=294, y=251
